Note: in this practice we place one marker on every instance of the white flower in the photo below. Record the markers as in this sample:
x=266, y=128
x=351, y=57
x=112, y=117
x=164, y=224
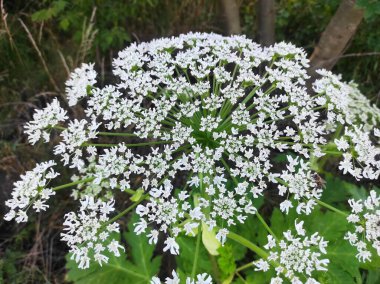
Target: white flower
x=297, y=254
x=32, y=189
x=300, y=181
x=366, y=219
x=114, y=247
x=171, y=245
x=80, y=80
x=261, y=265
x=86, y=232
x=221, y=236
x=299, y=228
x=285, y=206
x=50, y=116
x=203, y=278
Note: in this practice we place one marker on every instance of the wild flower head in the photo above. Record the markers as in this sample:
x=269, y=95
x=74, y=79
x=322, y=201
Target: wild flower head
x=195, y=124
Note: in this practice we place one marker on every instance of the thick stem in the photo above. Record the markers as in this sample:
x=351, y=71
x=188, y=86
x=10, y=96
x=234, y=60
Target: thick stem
x=232, y=15
x=266, y=16
x=337, y=36
x=244, y=242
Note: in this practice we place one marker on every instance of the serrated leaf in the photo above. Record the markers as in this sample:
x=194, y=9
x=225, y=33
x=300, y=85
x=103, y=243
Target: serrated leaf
x=141, y=251
x=343, y=254
x=116, y=271
x=120, y=270
x=335, y=275
x=226, y=262
x=185, y=258
x=330, y=225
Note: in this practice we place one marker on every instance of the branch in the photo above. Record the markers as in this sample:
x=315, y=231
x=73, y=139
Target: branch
x=232, y=14
x=266, y=15
x=337, y=36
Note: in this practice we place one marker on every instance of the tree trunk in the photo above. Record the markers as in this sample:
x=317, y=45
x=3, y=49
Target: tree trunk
x=232, y=16
x=266, y=15
x=336, y=37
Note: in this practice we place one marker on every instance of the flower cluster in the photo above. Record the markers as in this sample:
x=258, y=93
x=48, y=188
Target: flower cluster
x=87, y=232
x=301, y=184
x=80, y=80
x=212, y=114
x=366, y=218
x=353, y=117
x=50, y=116
x=31, y=190
x=200, y=279
x=295, y=257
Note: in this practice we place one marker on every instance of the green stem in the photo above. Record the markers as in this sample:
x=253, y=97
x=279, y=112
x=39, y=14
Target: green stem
x=337, y=153
x=332, y=208
x=128, y=145
x=245, y=266
x=259, y=251
x=244, y=242
x=98, y=145
x=257, y=212
x=266, y=225
x=125, y=211
x=199, y=236
x=196, y=255
x=73, y=183
x=117, y=134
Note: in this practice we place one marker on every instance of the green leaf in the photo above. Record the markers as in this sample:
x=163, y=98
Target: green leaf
x=115, y=271
x=226, y=261
x=259, y=277
x=185, y=258
x=137, y=195
x=336, y=190
x=49, y=13
x=118, y=270
x=371, y=8
x=373, y=277
x=141, y=251
x=335, y=275
x=330, y=225
x=343, y=254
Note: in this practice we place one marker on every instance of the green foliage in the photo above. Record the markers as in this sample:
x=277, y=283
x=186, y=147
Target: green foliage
x=108, y=19
x=371, y=8
x=48, y=13
x=226, y=261
x=140, y=268
x=259, y=277
x=186, y=258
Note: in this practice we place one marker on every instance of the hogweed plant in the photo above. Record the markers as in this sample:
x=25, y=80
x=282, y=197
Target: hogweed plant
x=197, y=123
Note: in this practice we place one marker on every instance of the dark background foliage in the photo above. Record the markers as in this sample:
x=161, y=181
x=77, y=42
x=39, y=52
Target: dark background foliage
x=41, y=42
